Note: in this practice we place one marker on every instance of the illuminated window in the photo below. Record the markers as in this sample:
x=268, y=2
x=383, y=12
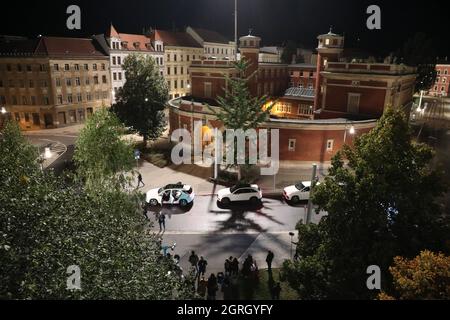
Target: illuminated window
x=330, y=144
x=327, y=42
x=305, y=109
x=284, y=107
x=291, y=145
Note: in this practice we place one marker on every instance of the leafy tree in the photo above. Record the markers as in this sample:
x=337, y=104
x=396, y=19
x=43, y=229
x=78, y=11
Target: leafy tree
x=238, y=109
x=425, y=277
x=142, y=100
x=100, y=154
x=418, y=52
x=381, y=204
x=47, y=225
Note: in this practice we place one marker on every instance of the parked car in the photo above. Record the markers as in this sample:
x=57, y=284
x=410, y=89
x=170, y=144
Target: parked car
x=172, y=194
x=298, y=192
x=240, y=192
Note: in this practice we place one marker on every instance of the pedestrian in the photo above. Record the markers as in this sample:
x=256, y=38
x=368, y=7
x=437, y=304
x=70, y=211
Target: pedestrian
x=227, y=289
x=235, y=266
x=269, y=260
x=227, y=267
x=144, y=211
x=140, y=180
x=193, y=260
x=201, y=288
x=212, y=287
x=276, y=291
x=202, y=263
x=162, y=222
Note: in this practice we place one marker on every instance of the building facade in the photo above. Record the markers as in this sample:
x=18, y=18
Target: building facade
x=121, y=45
x=215, y=46
x=317, y=109
x=53, y=82
x=180, y=49
x=442, y=83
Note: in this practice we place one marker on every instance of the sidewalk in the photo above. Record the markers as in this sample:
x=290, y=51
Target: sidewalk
x=155, y=177
x=69, y=130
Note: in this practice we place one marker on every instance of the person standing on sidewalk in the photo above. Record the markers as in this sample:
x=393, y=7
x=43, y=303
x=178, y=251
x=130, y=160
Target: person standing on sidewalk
x=212, y=287
x=235, y=267
x=193, y=260
x=162, y=222
x=269, y=260
x=202, y=263
x=140, y=180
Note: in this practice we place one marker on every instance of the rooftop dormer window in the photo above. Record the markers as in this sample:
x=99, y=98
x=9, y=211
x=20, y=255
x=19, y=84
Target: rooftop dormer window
x=136, y=45
x=125, y=44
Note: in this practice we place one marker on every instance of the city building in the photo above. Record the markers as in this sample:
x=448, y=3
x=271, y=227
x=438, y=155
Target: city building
x=51, y=82
x=442, y=83
x=180, y=49
x=120, y=45
x=317, y=109
x=270, y=54
x=215, y=46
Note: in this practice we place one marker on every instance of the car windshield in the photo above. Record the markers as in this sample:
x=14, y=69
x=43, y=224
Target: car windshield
x=300, y=186
x=161, y=190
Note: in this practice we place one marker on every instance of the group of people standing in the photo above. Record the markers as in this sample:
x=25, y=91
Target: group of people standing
x=228, y=281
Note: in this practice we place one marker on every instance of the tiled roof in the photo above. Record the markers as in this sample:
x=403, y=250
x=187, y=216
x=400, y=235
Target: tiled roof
x=135, y=42
x=211, y=36
x=300, y=92
x=70, y=47
x=17, y=46
x=177, y=39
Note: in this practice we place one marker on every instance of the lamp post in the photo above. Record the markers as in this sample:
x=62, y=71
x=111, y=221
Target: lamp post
x=45, y=156
x=352, y=131
x=310, y=204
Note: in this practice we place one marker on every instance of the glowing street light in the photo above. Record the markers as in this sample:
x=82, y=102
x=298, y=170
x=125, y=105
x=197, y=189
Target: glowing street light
x=47, y=153
x=3, y=110
x=352, y=130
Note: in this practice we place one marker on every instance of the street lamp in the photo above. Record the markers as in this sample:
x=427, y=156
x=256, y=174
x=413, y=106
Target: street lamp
x=352, y=131
x=3, y=110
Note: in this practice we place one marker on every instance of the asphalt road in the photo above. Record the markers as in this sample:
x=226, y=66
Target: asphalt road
x=217, y=232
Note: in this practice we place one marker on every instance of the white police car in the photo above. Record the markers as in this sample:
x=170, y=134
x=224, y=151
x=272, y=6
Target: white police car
x=172, y=194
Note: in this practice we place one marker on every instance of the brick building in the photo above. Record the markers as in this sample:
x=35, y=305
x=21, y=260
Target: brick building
x=442, y=84
x=317, y=109
x=52, y=82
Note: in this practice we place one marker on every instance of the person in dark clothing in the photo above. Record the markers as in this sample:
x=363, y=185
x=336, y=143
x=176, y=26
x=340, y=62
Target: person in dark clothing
x=269, y=260
x=275, y=292
x=227, y=267
x=193, y=260
x=235, y=267
x=140, y=180
x=227, y=289
x=162, y=222
x=212, y=287
x=202, y=263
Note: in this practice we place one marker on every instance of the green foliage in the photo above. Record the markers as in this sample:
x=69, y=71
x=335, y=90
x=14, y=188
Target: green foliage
x=142, y=100
x=238, y=109
x=101, y=155
x=426, y=277
x=381, y=204
x=418, y=52
x=47, y=226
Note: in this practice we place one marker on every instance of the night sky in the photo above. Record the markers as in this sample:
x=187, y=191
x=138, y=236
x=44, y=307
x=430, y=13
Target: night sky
x=274, y=20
